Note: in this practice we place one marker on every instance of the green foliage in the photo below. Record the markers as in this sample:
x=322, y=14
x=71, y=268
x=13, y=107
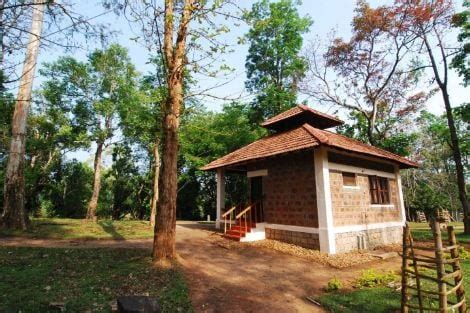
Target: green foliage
x=433, y=186
x=371, y=278
x=399, y=141
x=461, y=61
x=204, y=137
x=273, y=64
x=334, y=284
x=130, y=189
x=85, y=279
x=70, y=190
x=93, y=91
x=7, y=106
x=464, y=254
x=82, y=101
x=141, y=119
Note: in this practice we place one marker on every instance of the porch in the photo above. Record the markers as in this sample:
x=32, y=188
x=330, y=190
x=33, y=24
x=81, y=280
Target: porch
x=282, y=200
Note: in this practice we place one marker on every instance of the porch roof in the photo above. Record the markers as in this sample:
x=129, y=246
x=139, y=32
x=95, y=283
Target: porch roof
x=300, y=138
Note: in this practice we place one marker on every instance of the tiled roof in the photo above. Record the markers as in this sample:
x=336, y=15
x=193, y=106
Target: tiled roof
x=305, y=136
x=291, y=140
x=345, y=143
x=327, y=120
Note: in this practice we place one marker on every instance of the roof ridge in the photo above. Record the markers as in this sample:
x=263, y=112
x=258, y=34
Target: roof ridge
x=315, y=133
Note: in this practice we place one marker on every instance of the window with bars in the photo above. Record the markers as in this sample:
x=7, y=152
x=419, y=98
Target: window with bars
x=379, y=191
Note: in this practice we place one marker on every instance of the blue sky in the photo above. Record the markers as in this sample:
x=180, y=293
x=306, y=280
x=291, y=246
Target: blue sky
x=326, y=15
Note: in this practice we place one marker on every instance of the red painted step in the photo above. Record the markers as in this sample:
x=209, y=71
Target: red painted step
x=232, y=237
x=239, y=230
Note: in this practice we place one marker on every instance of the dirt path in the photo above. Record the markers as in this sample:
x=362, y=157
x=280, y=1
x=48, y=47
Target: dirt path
x=233, y=280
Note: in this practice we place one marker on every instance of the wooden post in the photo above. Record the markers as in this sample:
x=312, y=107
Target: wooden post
x=415, y=266
x=404, y=281
x=454, y=253
x=440, y=268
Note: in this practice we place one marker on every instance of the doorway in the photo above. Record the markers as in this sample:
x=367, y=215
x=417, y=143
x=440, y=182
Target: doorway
x=256, y=197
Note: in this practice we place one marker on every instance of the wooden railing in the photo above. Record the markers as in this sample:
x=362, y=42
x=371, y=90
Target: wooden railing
x=229, y=213
x=244, y=216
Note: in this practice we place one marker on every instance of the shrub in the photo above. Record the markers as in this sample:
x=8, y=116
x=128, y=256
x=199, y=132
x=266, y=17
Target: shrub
x=464, y=254
x=333, y=285
x=370, y=278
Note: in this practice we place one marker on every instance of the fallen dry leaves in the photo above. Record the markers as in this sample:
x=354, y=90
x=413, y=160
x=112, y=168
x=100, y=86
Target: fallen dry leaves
x=340, y=260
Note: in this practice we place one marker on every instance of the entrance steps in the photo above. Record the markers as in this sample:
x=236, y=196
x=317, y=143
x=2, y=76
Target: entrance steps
x=252, y=232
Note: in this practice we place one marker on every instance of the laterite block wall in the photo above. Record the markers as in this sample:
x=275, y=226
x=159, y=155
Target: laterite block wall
x=289, y=190
x=352, y=206
x=372, y=238
x=306, y=240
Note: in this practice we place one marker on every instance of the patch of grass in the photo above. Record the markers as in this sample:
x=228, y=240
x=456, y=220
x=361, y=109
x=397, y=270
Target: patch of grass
x=378, y=299
x=414, y=225
x=66, y=228
x=381, y=299
x=425, y=234
x=85, y=279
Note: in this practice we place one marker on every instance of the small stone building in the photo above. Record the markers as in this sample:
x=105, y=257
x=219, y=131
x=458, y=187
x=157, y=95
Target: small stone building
x=316, y=188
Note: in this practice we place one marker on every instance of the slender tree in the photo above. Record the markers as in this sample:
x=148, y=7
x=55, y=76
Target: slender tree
x=174, y=51
x=274, y=66
x=430, y=22
x=95, y=91
x=141, y=123
x=14, y=213
x=166, y=30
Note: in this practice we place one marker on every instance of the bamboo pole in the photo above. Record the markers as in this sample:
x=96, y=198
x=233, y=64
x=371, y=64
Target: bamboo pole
x=415, y=266
x=454, y=253
x=440, y=268
x=404, y=270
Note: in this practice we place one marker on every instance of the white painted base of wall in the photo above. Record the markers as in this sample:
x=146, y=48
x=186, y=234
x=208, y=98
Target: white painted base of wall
x=257, y=233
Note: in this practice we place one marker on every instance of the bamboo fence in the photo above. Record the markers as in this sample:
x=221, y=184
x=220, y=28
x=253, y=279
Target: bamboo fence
x=432, y=282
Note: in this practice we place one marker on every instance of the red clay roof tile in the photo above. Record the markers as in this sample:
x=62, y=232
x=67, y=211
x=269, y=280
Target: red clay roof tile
x=303, y=137
x=316, y=118
x=291, y=140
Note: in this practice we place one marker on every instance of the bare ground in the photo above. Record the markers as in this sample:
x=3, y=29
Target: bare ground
x=237, y=277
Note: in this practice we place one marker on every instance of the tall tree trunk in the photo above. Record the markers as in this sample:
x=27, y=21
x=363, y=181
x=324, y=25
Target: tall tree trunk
x=442, y=83
x=14, y=214
x=457, y=159
x=174, y=56
x=156, y=174
x=91, y=212
x=165, y=225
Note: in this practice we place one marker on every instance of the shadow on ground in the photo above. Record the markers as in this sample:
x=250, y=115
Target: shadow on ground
x=198, y=225
x=108, y=226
